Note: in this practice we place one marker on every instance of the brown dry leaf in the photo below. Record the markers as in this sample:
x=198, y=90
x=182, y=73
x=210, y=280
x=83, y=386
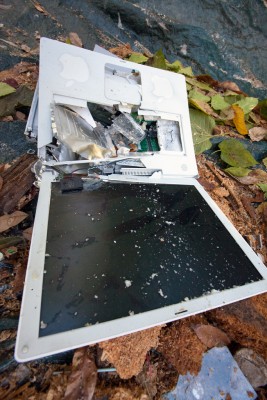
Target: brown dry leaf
x=9, y=220
x=82, y=380
x=255, y=176
x=27, y=233
x=258, y=133
x=203, y=106
x=75, y=40
x=228, y=85
x=122, y=51
x=39, y=7
x=211, y=336
x=1, y=182
x=25, y=48
x=239, y=120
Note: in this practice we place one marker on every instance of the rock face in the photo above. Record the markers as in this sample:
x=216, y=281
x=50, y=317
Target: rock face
x=192, y=32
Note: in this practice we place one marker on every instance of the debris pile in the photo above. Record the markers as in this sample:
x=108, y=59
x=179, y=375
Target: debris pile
x=153, y=359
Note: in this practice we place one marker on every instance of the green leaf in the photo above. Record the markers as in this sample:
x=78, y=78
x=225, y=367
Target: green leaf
x=238, y=171
x=264, y=160
x=158, y=60
x=6, y=89
x=235, y=154
x=247, y=104
x=218, y=102
x=197, y=95
x=187, y=71
x=263, y=108
x=175, y=66
x=231, y=99
x=200, y=85
x=263, y=186
x=202, y=126
x=138, y=58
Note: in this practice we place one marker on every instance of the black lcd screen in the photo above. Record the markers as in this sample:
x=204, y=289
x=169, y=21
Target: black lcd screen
x=115, y=249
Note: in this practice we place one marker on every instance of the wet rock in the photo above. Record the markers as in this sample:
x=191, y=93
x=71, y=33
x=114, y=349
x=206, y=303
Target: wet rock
x=253, y=367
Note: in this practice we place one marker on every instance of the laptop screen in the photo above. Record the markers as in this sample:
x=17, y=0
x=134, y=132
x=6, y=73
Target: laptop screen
x=117, y=249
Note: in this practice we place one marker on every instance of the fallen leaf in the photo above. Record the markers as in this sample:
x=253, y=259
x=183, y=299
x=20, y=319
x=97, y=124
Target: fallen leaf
x=255, y=176
x=258, y=133
x=187, y=71
x=235, y=154
x=25, y=48
x=218, y=102
x=9, y=241
x=27, y=233
x=6, y=89
x=263, y=108
x=238, y=171
x=122, y=51
x=9, y=220
x=75, y=39
x=20, y=116
x=207, y=79
x=138, y=58
x=239, y=120
x=1, y=182
x=202, y=126
x=196, y=94
x=39, y=7
x=211, y=336
x=82, y=380
x=175, y=66
x=202, y=106
x=200, y=85
x=228, y=85
x=247, y=104
x=158, y=60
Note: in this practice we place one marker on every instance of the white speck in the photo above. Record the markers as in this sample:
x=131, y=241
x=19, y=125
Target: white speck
x=115, y=241
x=198, y=391
x=169, y=223
x=43, y=325
x=96, y=296
x=183, y=49
x=128, y=283
x=86, y=239
x=47, y=255
x=175, y=271
x=153, y=275
x=186, y=298
x=131, y=210
x=131, y=312
x=161, y=266
x=76, y=313
x=212, y=64
x=93, y=219
x=45, y=271
x=89, y=215
x=161, y=293
x=148, y=209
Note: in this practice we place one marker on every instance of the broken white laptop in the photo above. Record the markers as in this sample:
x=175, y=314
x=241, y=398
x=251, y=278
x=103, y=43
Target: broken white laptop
x=125, y=238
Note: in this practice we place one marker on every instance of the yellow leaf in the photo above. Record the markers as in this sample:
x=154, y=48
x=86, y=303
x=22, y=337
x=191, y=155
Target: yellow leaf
x=239, y=120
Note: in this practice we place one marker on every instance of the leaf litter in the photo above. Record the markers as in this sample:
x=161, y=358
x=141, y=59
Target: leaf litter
x=178, y=347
